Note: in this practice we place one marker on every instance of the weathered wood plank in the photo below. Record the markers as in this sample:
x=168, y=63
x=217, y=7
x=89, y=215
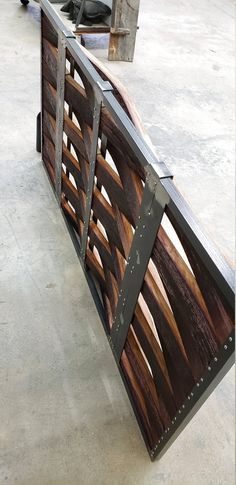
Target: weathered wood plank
x=221, y=316
x=195, y=330
x=124, y=16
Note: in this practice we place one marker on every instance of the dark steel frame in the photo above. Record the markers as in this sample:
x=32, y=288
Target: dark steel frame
x=159, y=191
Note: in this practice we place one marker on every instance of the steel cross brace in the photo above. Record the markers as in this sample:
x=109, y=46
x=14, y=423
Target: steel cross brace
x=155, y=199
x=98, y=90
x=61, y=72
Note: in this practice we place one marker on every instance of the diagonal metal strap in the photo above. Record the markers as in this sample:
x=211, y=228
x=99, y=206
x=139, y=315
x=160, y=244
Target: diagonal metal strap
x=155, y=198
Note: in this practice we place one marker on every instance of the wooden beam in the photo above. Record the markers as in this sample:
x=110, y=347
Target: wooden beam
x=124, y=22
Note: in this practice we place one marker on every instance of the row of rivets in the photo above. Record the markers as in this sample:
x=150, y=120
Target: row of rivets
x=183, y=406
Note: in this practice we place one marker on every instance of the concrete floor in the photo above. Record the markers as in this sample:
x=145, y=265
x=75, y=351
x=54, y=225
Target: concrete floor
x=65, y=417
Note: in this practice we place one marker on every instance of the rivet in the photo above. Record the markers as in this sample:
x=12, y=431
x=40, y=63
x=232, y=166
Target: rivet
x=183, y=406
x=225, y=347
x=139, y=217
x=189, y=398
x=179, y=411
x=198, y=384
x=144, y=226
x=136, y=228
x=173, y=422
x=209, y=368
x=141, y=235
x=166, y=431
x=129, y=258
x=230, y=339
x=215, y=359
x=192, y=394
x=201, y=379
x=162, y=438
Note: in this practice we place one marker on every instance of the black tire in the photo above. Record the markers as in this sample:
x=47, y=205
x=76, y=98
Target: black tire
x=24, y=2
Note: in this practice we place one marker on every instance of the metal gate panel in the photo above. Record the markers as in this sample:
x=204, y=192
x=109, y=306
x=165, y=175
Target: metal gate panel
x=164, y=294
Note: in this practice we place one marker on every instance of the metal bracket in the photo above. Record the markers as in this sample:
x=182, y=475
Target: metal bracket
x=60, y=114
x=69, y=34
x=119, y=31
x=152, y=209
x=102, y=87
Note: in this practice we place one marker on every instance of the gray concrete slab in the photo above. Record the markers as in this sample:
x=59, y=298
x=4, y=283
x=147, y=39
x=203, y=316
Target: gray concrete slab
x=65, y=417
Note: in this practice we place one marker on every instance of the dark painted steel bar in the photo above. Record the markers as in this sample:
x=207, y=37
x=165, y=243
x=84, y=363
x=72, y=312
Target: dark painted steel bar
x=61, y=70
x=92, y=162
x=152, y=209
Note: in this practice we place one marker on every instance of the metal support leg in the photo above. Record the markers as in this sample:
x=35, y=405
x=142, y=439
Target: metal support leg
x=80, y=14
x=38, y=133
x=151, y=212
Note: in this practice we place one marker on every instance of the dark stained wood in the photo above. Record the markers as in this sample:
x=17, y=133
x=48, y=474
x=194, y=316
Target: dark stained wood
x=198, y=338
x=154, y=355
x=222, y=317
x=49, y=32
x=50, y=56
x=143, y=386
